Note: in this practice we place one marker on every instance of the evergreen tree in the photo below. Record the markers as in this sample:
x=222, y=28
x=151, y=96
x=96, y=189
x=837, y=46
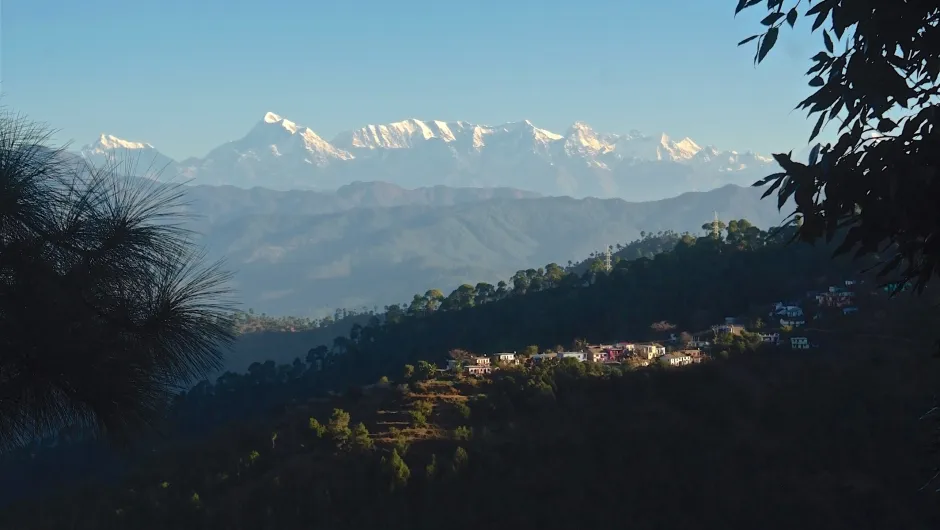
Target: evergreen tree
x=106, y=307
x=397, y=470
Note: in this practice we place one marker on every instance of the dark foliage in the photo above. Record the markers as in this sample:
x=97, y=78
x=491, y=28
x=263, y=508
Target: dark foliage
x=767, y=439
x=105, y=308
x=877, y=76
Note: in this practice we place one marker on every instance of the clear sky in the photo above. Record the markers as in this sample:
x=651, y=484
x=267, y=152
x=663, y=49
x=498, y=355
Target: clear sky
x=188, y=75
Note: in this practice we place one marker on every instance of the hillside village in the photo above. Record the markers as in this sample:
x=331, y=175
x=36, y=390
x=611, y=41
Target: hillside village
x=785, y=327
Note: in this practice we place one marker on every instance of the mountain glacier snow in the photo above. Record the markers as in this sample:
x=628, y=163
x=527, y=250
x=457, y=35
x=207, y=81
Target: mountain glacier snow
x=279, y=154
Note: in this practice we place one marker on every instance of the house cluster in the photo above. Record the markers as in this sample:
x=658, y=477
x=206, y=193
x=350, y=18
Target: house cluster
x=838, y=296
x=478, y=364
x=796, y=342
x=788, y=314
x=601, y=353
x=791, y=314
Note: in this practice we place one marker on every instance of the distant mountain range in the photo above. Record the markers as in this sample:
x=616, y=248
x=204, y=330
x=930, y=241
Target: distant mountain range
x=306, y=253
x=281, y=155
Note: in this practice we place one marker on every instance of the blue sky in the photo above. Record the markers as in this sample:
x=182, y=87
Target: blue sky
x=187, y=75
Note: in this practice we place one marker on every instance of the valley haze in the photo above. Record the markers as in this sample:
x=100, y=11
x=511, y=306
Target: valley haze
x=306, y=253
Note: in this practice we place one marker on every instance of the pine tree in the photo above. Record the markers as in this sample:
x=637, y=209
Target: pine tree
x=360, y=438
x=397, y=470
x=339, y=427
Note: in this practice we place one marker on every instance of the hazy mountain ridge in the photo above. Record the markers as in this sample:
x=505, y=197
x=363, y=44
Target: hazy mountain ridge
x=307, y=260
x=215, y=204
x=279, y=154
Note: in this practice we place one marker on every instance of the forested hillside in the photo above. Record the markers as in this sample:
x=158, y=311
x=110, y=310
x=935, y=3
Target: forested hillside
x=780, y=439
x=283, y=349
x=647, y=246
x=699, y=282
x=262, y=337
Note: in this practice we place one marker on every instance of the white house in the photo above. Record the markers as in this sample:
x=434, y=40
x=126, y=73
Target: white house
x=676, y=359
x=836, y=297
x=454, y=364
x=732, y=329
x=799, y=343
x=598, y=356
x=650, y=350
x=572, y=355
x=508, y=358
x=793, y=323
x=478, y=369
x=544, y=356
x=770, y=338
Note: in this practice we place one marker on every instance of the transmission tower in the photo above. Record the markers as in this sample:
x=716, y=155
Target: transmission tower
x=716, y=227
x=607, y=262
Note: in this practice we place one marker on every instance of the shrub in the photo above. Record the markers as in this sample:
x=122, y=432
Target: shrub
x=418, y=419
x=430, y=471
x=400, y=442
x=460, y=459
x=424, y=407
x=463, y=433
x=318, y=428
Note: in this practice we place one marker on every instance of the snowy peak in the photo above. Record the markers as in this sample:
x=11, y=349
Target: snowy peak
x=527, y=128
x=109, y=148
x=686, y=145
x=139, y=158
x=400, y=134
x=583, y=140
x=580, y=142
x=707, y=153
x=728, y=161
x=413, y=132
x=281, y=154
x=107, y=142
x=277, y=135
x=684, y=149
x=270, y=117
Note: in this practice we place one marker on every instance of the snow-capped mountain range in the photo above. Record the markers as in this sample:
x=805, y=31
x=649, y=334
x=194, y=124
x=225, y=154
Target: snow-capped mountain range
x=279, y=154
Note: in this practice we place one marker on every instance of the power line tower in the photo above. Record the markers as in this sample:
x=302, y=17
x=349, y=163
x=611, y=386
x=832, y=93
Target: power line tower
x=607, y=262
x=716, y=227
